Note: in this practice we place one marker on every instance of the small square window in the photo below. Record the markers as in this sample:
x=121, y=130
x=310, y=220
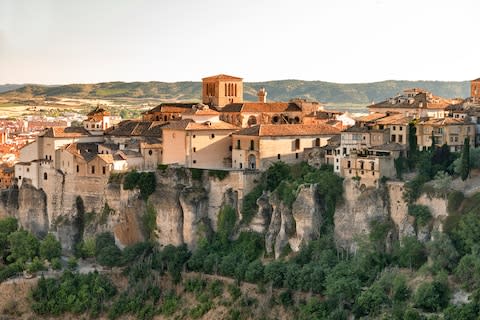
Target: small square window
x=194, y=161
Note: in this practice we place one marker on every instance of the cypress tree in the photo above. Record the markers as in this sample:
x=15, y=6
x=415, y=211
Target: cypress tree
x=465, y=168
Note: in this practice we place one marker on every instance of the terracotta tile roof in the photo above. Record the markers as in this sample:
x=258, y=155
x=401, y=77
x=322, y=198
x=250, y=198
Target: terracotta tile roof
x=188, y=124
x=108, y=158
x=363, y=129
x=477, y=79
x=273, y=130
x=395, y=119
x=172, y=107
x=86, y=151
x=262, y=107
x=65, y=132
x=136, y=128
x=221, y=77
x=98, y=110
x=202, y=111
x=392, y=146
x=422, y=99
x=443, y=122
x=371, y=117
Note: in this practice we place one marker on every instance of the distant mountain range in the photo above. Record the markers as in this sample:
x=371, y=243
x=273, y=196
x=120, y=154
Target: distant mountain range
x=281, y=90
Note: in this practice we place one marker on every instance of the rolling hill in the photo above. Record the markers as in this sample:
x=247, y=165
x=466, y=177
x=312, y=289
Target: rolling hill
x=281, y=90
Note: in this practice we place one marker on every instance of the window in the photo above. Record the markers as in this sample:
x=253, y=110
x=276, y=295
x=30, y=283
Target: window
x=194, y=136
x=194, y=149
x=252, y=145
x=401, y=128
x=230, y=148
x=372, y=165
x=28, y=169
x=241, y=165
x=213, y=136
x=349, y=164
x=45, y=176
x=296, y=155
x=194, y=161
x=400, y=138
x=104, y=170
x=150, y=152
x=278, y=156
x=78, y=168
x=297, y=144
x=393, y=138
x=238, y=144
x=317, y=142
x=394, y=128
x=361, y=165
x=93, y=169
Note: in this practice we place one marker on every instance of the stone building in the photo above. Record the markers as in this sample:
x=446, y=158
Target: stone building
x=450, y=131
x=475, y=90
x=168, y=111
x=416, y=103
x=259, y=146
x=369, y=165
x=7, y=175
x=358, y=138
x=222, y=89
x=199, y=140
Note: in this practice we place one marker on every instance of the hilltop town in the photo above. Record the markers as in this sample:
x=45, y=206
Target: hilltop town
x=227, y=133
x=298, y=210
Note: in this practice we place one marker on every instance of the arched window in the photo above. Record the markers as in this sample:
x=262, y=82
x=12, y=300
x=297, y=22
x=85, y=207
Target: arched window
x=45, y=176
x=317, y=142
x=252, y=145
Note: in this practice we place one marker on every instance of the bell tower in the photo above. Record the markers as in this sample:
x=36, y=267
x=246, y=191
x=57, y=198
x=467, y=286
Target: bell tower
x=221, y=90
x=475, y=90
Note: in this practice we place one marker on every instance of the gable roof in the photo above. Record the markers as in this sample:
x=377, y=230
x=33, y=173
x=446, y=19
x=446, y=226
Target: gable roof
x=65, y=132
x=221, y=77
x=190, y=125
x=262, y=107
x=172, y=107
x=276, y=130
x=136, y=128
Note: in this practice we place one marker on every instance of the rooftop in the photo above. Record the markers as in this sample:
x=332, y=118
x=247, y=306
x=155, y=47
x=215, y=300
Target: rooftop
x=136, y=128
x=189, y=124
x=262, y=107
x=275, y=130
x=221, y=77
x=64, y=132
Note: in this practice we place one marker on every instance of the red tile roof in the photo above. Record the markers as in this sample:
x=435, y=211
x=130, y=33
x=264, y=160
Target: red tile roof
x=274, y=130
x=221, y=77
x=273, y=107
x=190, y=125
x=65, y=132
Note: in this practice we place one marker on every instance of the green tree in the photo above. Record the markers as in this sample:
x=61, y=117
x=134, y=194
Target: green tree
x=254, y=271
x=465, y=164
x=442, y=252
x=412, y=144
x=23, y=246
x=432, y=296
x=411, y=253
x=227, y=218
x=50, y=247
x=7, y=226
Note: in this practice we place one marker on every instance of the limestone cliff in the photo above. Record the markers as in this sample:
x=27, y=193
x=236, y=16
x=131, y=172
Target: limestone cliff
x=187, y=206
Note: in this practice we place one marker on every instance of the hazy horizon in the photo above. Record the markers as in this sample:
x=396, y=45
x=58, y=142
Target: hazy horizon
x=346, y=41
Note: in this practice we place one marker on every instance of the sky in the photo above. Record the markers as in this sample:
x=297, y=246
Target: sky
x=347, y=41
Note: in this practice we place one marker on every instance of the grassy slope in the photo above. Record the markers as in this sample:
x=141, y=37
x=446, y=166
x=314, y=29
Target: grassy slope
x=281, y=90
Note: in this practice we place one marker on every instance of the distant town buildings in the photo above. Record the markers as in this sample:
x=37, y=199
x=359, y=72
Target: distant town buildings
x=225, y=132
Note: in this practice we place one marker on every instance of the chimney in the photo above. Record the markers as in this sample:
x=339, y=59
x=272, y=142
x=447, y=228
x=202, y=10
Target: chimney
x=262, y=95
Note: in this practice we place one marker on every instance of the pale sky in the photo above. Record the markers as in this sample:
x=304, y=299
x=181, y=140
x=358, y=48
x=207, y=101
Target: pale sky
x=86, y=41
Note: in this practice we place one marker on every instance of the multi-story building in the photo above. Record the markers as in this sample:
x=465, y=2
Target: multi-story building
x=199, y=140
x=416, y=103
x=449, y=131
x=6, y=176
x=371, y=164
x=259, y=146
x=358, y=138
x=475, y=90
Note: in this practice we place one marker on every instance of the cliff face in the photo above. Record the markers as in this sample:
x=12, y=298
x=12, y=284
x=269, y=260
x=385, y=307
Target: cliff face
x=186, y=210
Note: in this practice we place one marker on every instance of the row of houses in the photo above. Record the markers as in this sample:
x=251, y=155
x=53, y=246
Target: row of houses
x=225, y=132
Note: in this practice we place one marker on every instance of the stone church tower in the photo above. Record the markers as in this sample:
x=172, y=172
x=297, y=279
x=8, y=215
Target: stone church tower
x=222, y=89
x=475, y=90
